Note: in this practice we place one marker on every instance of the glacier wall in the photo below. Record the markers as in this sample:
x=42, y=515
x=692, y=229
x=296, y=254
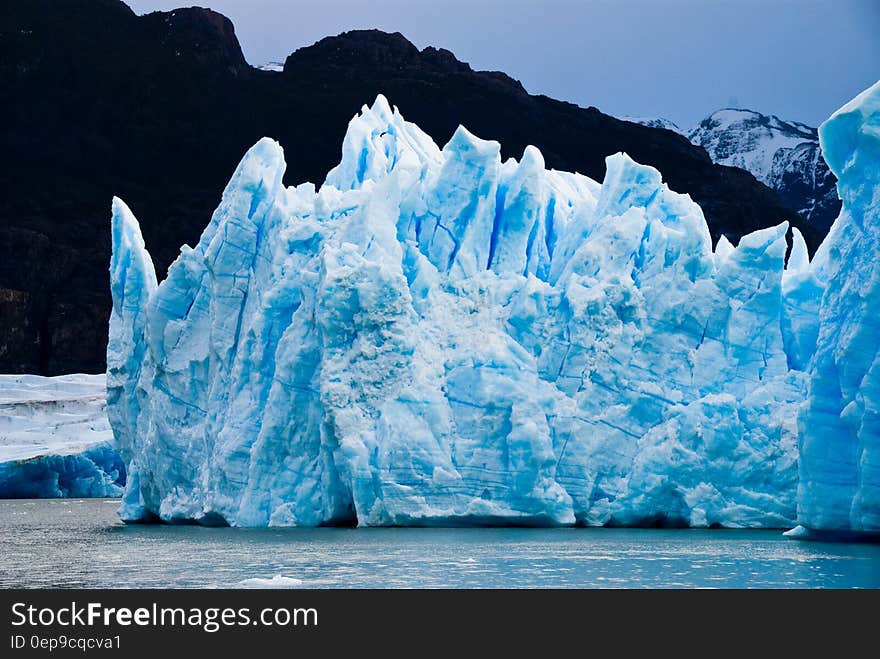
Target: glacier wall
x=55, y=440
x=839, y=468
x=439, y=337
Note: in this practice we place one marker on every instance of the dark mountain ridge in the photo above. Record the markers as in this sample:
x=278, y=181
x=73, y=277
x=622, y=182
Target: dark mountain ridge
x=158, y=109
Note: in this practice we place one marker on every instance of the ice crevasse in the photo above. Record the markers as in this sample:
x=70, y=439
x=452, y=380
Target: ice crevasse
x=437, y=336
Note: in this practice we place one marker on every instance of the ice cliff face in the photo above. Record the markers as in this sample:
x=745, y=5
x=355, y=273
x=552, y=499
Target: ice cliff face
x=840, y=424
x=436, y=336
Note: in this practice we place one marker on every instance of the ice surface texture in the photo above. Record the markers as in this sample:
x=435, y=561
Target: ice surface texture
x=440, y=337
x=55, y=440
x=840, y=424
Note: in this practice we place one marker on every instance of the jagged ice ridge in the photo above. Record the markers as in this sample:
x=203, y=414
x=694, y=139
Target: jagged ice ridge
x=439, y=337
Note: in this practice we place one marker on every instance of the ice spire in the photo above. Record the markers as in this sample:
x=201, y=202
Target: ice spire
x=132, y=284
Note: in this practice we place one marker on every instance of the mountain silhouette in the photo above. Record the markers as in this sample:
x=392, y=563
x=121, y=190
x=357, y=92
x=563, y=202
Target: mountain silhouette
x=97, y=101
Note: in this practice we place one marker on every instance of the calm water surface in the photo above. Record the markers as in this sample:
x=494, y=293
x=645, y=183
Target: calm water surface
x=81, y=543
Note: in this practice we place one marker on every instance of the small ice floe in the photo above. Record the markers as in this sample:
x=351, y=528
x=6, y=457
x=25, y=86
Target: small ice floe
x=278, y=581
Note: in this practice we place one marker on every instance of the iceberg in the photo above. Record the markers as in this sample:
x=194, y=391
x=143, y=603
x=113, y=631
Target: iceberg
x=438, y=336
x=55, y=439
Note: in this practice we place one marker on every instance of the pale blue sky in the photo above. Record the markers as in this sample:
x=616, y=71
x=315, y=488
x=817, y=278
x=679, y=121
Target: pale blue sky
x=681, y=59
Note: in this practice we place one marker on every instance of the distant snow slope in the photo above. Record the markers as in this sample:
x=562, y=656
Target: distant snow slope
x=655, y=122
x=272, y=66
x=784, y=155
x=55, y=439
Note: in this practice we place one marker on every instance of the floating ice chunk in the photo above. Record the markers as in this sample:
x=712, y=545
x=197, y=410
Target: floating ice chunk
x=277, y=581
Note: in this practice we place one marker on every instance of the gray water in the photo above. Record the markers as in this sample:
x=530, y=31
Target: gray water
x=81, y=543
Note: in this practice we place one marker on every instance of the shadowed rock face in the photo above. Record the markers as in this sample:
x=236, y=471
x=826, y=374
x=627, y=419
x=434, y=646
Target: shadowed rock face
x=96, y=101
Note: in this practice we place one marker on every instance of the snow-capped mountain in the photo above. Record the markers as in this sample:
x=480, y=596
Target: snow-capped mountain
x=784, y=155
